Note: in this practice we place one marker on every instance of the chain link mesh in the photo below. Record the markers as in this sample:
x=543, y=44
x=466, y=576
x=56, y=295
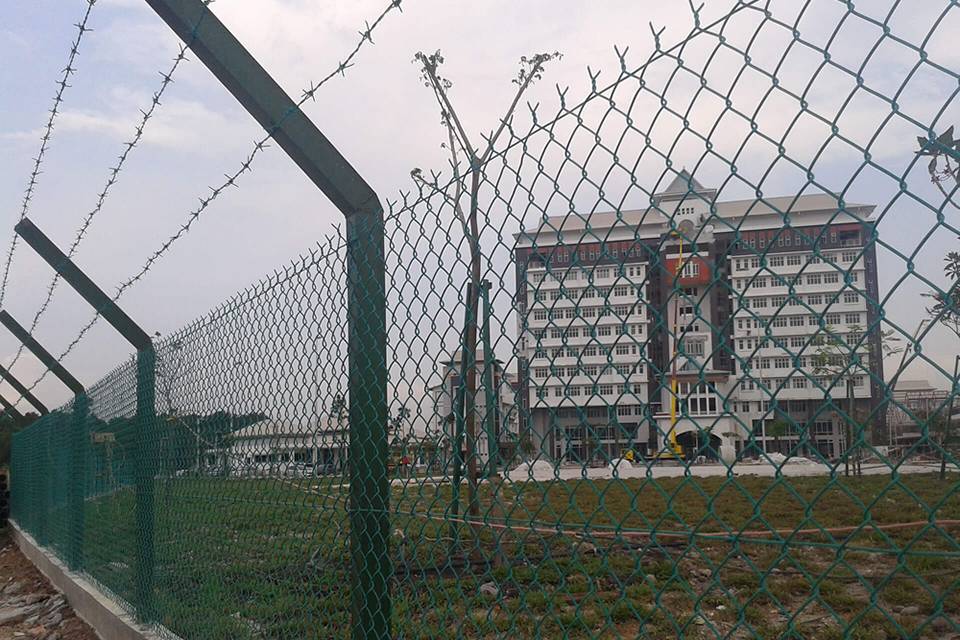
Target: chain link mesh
x=678, y=414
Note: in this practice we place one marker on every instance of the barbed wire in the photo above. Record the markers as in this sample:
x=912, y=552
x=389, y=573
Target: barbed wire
x=113, y=176
x=308, y=94
x=62, y=86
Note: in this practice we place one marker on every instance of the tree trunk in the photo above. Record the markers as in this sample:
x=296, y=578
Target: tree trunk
x=470, y=345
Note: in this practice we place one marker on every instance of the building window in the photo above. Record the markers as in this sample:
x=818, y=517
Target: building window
x=603, y=330
x=691, y=270
x=781, y=363
x=831, y=278
x=606, y=389
x=852, y=318
x=693, y=347
x=813, y=278
x=850, y=297
x=621, y=290
x=815, y=299
x=794, y=260
x=776, y=261
x=796, y=321
x=799, y=383
x=848, y=256
x=779, y=321
x=541, y=372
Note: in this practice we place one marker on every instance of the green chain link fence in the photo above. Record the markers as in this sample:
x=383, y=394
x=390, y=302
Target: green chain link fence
x=654, y=392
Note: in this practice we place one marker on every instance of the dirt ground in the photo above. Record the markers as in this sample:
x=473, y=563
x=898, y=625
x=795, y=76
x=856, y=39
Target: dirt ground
x=30, y=608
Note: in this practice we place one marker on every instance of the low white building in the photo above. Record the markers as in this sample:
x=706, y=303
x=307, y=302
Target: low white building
x=276, y=447
x=500, y=421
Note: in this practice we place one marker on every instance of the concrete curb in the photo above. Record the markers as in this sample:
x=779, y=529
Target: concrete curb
x=107, y=619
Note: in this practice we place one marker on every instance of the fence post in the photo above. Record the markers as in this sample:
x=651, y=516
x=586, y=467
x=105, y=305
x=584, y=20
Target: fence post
x=264, y=99
x=78, y=484
x=144, y=478
x=42, y=470
x=369, y=485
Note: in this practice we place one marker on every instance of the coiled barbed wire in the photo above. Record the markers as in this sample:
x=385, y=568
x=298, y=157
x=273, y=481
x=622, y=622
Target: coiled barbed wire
x=62, y=86
x=308, y=94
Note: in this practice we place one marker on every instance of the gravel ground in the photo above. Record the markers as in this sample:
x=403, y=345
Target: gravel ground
x=29, y=606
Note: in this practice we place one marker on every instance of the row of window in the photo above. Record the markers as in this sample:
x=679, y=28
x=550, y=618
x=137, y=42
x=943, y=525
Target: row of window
x=796, y=259
x=622, y=312
x=593, y=331
x=761, y=282
x=618, y=291
x=798, y=320
x=592, y=370
x=586, y=275
x=588, y=351
x=798, y=382
x=810, y=236
x=827, y=319
x=599, y=390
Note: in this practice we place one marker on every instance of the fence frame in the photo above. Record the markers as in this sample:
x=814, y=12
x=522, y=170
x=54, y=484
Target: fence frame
x=78, y=449
x=146, y=409
x=256, y=90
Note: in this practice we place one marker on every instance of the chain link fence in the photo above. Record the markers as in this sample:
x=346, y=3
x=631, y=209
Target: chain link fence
x=646, y=373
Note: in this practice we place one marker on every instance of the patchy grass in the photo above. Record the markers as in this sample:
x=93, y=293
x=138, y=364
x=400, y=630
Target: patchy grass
x=269, y=558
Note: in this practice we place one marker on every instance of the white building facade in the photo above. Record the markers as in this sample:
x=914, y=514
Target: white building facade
x=749, y=317
x=496, y=424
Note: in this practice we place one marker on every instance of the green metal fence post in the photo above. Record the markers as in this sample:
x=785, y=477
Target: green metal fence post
x=77, y=488
x=143, y=473
x=459, y=416
x=369, y=485
x=492, y=397
x=954, y=388
x=295, y=133
x=42, y=470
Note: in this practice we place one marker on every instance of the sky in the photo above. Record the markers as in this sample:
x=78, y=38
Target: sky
x=382, y=118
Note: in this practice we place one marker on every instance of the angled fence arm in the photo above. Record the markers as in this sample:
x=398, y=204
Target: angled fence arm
x=9, y=408
x=34, y=347
x=78, y=439
x=145, y=443
x=282, y=118
x=23, y=391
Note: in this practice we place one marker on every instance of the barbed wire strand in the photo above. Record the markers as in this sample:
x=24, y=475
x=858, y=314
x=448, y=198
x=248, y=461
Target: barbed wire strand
x=309, y=94
x=113, y=173
x=62, y=86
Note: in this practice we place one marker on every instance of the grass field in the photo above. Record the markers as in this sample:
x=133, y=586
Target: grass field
x=703, y=557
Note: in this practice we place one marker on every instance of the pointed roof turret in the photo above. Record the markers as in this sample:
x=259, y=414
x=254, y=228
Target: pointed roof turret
x=684, y=186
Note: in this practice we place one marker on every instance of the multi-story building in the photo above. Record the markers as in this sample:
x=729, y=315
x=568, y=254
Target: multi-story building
x=500, y=421
x=761, y=312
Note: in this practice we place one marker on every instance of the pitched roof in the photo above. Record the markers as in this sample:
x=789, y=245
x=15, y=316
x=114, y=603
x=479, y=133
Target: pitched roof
x=683, y=184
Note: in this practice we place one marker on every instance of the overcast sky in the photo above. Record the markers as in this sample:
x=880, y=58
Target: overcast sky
x=385, y=122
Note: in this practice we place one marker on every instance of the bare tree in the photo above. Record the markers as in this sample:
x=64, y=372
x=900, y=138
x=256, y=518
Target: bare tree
x=467, y=162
